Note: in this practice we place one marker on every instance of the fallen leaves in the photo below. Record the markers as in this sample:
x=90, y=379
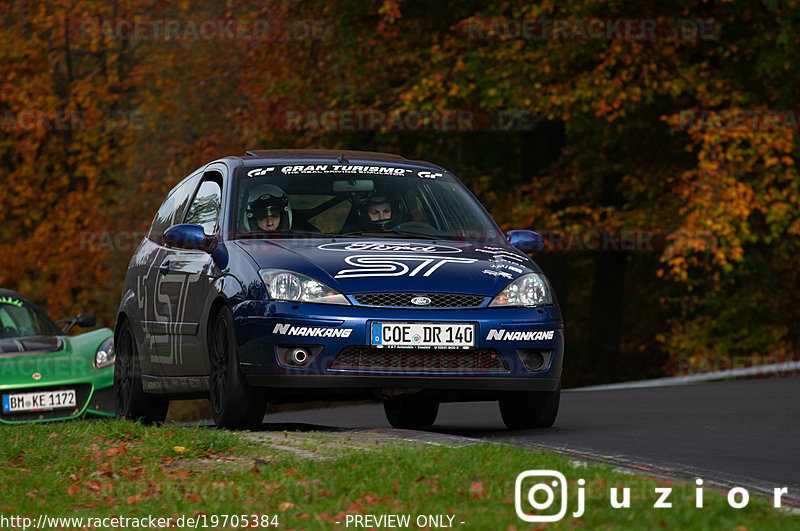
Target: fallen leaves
x=115, y=450
x=477, y=491
x=136, y=498
x=193, y=497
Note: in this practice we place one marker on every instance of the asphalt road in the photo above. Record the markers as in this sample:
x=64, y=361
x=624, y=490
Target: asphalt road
x=743, y=433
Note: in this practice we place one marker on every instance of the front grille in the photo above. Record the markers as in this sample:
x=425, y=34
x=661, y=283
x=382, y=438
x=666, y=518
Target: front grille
x=81, y=394
x=419, y=360
x=403, y=300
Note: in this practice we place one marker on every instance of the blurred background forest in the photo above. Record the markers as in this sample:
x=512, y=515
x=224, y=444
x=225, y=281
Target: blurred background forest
x=654, y=145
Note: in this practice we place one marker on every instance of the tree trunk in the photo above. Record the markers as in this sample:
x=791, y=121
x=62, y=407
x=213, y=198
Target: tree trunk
x=606, y=305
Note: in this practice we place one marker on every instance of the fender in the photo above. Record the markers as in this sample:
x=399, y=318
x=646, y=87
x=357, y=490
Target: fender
x=224, y=290
x=128, y=307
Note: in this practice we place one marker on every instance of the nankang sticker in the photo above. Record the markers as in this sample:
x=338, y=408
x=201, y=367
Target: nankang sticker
x=310, y=331
x=343, y=168
x=258, y=172
x=396, y=266
x=506, y=335
x=389, y=247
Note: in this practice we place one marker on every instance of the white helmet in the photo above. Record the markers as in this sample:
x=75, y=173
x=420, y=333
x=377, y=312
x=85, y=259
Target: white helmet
x=267, y=199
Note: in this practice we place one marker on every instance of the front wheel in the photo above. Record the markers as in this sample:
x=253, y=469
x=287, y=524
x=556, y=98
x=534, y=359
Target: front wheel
x=233, y=404
x=530, y=409
x=410, y=412
x=131, y=401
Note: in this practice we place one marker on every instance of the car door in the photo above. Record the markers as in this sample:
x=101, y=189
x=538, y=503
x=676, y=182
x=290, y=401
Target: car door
x=191, y=274
x=144, y=277
x=152, y=288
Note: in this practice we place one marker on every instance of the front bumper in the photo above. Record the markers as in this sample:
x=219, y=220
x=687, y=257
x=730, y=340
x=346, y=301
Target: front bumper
x=264, y=327
x=90, y=400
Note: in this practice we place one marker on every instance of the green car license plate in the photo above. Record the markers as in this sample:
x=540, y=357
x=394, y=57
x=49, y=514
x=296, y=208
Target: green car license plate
x=39, y=401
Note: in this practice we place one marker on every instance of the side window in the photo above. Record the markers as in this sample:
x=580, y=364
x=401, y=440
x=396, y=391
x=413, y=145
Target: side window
x=182, y=198
x=204, y=210
x=163, y=220
x=171, y=210
x=5, y=319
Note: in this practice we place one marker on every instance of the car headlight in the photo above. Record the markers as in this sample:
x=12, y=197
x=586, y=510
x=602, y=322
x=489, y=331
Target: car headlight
x=105, y=356
x=528, y=290
x=285, y=285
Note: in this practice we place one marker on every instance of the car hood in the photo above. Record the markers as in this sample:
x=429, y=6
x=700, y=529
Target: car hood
x=31, y=346
x=398, y=265
x=53, y=360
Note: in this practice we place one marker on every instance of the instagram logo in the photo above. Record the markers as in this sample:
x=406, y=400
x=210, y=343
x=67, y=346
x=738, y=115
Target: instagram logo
x=547, y=491
x=550, y=486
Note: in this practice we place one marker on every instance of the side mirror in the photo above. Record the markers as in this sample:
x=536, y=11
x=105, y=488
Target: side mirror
x=85, y=320
x=526, y=241
x=187, y=236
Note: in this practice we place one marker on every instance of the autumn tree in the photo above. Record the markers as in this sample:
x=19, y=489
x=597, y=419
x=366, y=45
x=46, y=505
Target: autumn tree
x=673, y=123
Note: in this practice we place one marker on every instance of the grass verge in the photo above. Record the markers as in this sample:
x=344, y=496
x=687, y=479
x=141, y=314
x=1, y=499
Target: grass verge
x=311, y=480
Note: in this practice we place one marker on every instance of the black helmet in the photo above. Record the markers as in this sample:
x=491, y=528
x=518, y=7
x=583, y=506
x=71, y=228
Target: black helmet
x=269, y=200
x=384, y=207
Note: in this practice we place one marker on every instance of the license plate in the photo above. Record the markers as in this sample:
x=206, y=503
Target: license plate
x=423, y=335
x=40, y=401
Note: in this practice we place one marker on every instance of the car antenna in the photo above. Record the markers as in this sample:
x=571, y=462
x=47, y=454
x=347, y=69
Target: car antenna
x=342, y=160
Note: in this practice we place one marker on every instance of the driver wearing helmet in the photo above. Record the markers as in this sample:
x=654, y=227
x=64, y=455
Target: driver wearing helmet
x=269, y=211
x=380, y=211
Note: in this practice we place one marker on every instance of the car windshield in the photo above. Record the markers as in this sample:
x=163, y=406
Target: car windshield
x=353, y=200
x=18, y=319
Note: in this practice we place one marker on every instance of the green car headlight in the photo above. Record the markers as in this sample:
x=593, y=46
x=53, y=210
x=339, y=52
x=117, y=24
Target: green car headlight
x=528, y=290
x=285, y=285
x=105, y=356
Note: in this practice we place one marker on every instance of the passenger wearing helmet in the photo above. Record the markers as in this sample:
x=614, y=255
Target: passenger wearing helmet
x=380, y=211
x=269, y=210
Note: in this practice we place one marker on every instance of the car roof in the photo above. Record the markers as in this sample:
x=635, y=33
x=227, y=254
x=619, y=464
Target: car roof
x=333, y=156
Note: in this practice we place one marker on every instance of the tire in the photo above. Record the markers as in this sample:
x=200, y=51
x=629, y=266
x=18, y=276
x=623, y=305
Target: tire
x=233, y=404
x=131, y=402
x=531, y=409
x=410, y=412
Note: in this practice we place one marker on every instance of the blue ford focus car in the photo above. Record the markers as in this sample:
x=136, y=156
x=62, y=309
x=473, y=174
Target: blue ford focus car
x=298, y=275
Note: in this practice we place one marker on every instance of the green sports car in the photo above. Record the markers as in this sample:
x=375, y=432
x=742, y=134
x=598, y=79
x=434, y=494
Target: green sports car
x=46, y=375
